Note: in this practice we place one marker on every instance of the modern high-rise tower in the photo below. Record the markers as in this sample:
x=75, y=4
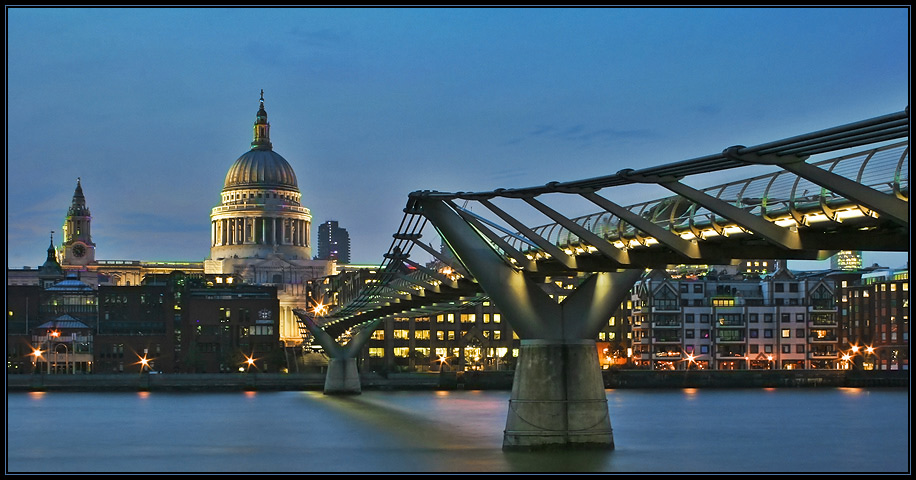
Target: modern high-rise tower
x=333, y=242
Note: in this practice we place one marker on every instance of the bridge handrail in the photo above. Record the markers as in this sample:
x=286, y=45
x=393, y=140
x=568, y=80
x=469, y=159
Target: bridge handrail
x=888, y=173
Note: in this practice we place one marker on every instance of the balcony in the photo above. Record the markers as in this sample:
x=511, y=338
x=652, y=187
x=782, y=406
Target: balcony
x=669, y=307
x=731, y=339
x=823, y=324
x=822, y=339
x=667, y=355
x=730, y=355
x=667, y=324
x=730, y=323
x=674, y=340
x=823, y=355
x=823, y=307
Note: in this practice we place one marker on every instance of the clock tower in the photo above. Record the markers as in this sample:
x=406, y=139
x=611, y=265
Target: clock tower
x=78, y=249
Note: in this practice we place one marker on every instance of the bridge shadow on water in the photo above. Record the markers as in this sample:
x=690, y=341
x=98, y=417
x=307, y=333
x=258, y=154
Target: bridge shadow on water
x=445, y=432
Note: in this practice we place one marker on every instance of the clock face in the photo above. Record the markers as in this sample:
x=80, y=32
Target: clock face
x=78, y=250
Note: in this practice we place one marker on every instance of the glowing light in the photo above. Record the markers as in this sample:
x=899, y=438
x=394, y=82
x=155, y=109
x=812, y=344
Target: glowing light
x=786, y=222
x=320, y=309
x=55, y=333
x=37, y=353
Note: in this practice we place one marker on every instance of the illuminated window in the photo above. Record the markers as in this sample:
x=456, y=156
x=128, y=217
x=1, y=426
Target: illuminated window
x=378, y=335
x=376, y=352
x=440, y=335
x=401, y=334
x=451, y=334
x=401, y=351
x=496, y=334
x=786, y=333
x=495, y=318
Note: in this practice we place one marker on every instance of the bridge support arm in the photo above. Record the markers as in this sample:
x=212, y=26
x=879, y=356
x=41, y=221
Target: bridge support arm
x=519, y=299
x=588, y=309
x=774, y=233
x=886, y=205
x=666, y=237
x=329, y=345
x=342, y=377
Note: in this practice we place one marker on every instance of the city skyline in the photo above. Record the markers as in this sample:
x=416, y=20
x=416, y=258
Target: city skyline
x=150, y=107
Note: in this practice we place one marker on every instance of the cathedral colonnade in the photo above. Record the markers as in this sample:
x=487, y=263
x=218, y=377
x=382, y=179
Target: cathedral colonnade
x=256, y=230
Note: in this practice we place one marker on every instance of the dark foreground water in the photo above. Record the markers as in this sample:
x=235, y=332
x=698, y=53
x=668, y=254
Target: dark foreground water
x=759, y=430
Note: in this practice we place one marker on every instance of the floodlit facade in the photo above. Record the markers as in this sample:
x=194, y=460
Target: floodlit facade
x=260, y=231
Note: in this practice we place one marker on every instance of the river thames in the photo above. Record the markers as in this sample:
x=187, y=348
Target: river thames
x=784, y=430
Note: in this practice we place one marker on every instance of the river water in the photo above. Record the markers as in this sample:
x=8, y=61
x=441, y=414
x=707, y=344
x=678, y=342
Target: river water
x=687, y=431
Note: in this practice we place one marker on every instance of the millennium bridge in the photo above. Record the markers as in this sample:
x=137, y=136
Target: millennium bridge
x=803, y=198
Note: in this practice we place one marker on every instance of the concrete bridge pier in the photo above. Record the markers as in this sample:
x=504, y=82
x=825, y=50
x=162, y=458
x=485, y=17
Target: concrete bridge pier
x=342, y=377
x=558, y=398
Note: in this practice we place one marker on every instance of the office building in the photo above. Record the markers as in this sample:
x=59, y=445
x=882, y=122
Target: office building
x=333, y=242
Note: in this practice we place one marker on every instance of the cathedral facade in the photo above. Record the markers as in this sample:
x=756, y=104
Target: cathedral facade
x=261, y=232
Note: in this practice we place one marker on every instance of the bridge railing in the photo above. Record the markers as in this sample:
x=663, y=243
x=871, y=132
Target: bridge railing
x=776, y=196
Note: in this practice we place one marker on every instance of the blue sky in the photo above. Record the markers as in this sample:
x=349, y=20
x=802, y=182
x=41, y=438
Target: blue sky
x=150, y=107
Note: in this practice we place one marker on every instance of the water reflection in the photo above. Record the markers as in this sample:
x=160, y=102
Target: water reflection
x=754, y=430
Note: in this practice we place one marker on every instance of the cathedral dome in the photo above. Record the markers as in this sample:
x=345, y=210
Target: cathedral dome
x=261, y=168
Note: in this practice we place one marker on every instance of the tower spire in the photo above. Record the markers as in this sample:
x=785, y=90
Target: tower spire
x=52, y=252
x=261, y=129
x=78, y=205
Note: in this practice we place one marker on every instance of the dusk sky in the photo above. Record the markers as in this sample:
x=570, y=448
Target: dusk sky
x=150, y=107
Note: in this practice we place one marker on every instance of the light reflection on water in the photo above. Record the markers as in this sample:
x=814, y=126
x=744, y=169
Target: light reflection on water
x=690, y=430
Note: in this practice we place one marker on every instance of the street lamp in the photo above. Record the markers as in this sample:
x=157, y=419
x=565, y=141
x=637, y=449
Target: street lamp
x=37, y=354
x=443, y=360
x=144, y=363
x=55, y=334
x=870, y=352
x=846, y=358
x=249, y=361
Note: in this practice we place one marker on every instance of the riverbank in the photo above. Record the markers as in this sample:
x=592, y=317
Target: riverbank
x=500, y=380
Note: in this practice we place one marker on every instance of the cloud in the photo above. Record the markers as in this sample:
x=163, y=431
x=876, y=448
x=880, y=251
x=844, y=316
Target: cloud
x=582, y=135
